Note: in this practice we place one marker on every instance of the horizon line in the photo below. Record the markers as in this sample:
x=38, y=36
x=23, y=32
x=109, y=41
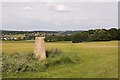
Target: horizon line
x=60, y=30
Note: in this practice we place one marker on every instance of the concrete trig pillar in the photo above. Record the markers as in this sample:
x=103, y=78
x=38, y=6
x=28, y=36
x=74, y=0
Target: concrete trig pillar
x=39, y=49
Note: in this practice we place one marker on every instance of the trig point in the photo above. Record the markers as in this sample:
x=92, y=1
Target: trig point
x=39, y=49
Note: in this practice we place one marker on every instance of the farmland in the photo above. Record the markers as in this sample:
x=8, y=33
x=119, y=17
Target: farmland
x=97, y=59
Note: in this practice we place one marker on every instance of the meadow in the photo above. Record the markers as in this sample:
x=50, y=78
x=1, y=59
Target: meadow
x=96, y=59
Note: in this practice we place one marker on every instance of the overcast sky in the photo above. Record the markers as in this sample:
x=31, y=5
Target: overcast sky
x=59, y=15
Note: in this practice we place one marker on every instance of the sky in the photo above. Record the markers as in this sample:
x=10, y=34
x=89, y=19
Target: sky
x=59, y=16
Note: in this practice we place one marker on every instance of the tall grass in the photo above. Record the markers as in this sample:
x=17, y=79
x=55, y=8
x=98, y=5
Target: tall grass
x=18, y=63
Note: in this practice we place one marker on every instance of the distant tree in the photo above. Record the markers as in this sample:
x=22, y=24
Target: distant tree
x=24, y=38
x=80, y=37
x=67, y=38
x=100, y=35
x=50, y=38
x=76, y=38
x=113, y=33
x=119, y=34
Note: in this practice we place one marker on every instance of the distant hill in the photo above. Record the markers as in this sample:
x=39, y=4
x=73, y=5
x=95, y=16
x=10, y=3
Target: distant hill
x=8, y=32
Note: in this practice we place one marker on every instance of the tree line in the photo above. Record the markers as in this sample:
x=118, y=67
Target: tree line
x=96, y=35
x=74, y=36
x=88, y=36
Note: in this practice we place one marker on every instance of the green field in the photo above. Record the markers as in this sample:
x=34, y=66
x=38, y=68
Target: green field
x=97, y=59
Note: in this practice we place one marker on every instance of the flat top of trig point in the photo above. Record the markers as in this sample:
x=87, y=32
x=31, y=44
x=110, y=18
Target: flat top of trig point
x=39, y=37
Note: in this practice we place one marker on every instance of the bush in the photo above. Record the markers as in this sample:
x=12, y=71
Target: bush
x=54, y=53
x=17, y=63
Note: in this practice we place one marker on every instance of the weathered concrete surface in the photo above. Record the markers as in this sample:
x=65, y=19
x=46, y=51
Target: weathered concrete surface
x=39, y=49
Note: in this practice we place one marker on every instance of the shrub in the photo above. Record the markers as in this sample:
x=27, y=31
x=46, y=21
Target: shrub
x=17, y=63
x=54, y=52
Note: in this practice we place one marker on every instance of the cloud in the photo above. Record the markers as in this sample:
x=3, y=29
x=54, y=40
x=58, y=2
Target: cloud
x=61, y=8
x=58, y=7
x=27, y=8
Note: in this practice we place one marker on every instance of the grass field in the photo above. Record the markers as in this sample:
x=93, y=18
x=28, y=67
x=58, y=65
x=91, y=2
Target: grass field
x=97, y=59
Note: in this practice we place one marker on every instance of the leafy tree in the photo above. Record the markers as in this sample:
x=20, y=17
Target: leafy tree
x=113, y=33
x=100, y=35
x=80, y=37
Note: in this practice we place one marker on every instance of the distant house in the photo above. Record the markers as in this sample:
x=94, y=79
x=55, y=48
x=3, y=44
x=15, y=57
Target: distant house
x=14, y=38
x=5, y=39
